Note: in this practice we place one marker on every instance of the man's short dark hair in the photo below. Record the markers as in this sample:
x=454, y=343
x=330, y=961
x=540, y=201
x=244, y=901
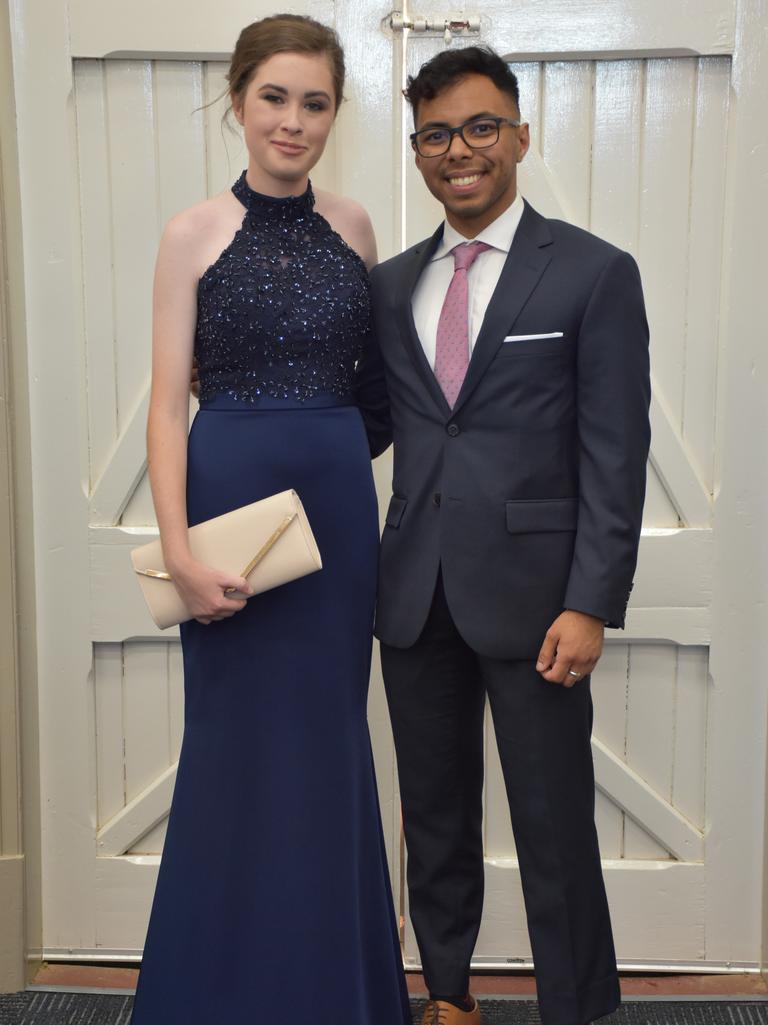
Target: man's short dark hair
x=450, y=66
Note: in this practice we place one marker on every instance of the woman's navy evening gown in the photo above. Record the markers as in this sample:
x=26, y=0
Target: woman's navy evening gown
x=273, y=902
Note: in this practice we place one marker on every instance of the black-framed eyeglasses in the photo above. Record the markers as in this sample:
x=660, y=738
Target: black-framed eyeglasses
x=479, y=133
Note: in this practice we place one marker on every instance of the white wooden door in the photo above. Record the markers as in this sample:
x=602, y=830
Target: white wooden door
x=631, y=106
x=117, y=135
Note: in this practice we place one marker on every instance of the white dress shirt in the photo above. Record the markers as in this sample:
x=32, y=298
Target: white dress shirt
x=483, y=276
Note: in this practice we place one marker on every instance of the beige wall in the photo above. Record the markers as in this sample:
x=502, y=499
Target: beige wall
x=19, y=874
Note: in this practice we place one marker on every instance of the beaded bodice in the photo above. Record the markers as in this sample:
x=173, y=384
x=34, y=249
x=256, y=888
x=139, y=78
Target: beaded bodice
x=285, y=309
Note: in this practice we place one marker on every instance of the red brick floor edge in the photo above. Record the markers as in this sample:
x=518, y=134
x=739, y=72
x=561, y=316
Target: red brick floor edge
x=518, y=983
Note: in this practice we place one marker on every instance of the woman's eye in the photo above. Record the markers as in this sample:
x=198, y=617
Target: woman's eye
x=315, y=106
x=272, y=98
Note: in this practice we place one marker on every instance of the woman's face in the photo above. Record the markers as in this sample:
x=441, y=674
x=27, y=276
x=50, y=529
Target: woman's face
x=287, y=112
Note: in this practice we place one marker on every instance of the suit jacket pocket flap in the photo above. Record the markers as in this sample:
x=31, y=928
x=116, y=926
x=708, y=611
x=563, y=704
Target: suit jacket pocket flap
x=540, y=515
x=395, y=511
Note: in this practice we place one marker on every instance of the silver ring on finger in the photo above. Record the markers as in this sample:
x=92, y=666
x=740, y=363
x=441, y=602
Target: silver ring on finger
x=576, y=676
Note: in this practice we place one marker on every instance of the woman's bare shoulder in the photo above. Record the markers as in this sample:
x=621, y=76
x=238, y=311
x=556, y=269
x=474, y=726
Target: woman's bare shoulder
x=350, y=219
x=195, y=236
x=209, y=216
x=341, y=208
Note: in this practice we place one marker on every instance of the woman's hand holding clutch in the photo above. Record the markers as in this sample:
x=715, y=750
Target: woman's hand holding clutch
x=204, y=590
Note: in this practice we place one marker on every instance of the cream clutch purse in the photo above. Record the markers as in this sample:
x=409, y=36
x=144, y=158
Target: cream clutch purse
x=269, y=542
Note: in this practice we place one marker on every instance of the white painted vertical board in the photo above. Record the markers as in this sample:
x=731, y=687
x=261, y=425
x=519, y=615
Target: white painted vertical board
x=97, y=271
x=566, y=132
x=145, y=704
x=689, y=769
x=224, y=147
x=529, y=75
x=651, y=714
x=616, y=152
x=705, y=264
x=609, y=821
x=664, y=217
x=133, y=175
x=175, y=699
x=108, y=687
x=610, y=685
x=499, y=841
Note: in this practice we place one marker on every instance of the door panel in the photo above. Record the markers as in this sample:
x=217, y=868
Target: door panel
x=645, y=119
x=143, y=139
x=635, y=150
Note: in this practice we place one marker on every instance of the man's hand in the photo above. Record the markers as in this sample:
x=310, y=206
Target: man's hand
x=572, y=647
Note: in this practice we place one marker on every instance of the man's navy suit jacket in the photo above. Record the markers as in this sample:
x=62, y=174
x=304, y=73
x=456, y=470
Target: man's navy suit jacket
x=529, y=492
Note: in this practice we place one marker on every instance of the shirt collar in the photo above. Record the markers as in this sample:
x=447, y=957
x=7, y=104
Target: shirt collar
x=499, y=233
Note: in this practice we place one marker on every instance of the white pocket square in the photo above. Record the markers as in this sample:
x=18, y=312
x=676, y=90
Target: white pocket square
x=530, y=338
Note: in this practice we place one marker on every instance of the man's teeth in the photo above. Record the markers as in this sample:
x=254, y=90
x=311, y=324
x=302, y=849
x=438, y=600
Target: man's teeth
x=468, y=179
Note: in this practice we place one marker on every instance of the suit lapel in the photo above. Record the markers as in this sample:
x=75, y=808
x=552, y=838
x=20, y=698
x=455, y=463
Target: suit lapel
x=525, y=263
x=414, y=263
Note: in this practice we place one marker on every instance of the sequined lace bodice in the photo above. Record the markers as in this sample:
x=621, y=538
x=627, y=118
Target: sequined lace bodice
x=285, y=309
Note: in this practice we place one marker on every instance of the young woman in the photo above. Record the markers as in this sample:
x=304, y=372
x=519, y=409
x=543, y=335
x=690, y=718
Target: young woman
x=273, y=901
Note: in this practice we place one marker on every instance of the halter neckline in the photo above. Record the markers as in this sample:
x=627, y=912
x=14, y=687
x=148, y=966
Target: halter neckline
x=262, y=203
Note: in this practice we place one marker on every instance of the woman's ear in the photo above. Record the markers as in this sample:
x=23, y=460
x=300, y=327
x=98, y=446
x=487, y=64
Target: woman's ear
x=237, y=106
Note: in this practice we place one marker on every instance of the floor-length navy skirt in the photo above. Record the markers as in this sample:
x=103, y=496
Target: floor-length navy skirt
x=273, y=902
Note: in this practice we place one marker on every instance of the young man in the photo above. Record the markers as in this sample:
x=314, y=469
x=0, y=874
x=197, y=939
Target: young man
x=518, y=382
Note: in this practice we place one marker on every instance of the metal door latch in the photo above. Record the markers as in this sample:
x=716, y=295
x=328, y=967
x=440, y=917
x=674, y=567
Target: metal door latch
x=454, y=25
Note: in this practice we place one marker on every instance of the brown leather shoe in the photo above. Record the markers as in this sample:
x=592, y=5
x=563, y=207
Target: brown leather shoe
x=438, y=1012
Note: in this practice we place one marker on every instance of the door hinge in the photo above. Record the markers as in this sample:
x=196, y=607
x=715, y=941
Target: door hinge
x=453, y=25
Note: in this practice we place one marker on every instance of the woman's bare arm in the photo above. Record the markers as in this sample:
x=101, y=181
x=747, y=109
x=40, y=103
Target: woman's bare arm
x=174, y=319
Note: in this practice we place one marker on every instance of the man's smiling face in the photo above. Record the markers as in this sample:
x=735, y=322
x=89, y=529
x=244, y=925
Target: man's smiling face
x=474, y=185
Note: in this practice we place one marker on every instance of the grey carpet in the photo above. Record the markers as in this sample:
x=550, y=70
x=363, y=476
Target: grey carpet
x=93, y=1009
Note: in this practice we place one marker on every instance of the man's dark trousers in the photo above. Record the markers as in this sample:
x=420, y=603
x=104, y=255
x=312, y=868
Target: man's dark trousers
x=436, y=691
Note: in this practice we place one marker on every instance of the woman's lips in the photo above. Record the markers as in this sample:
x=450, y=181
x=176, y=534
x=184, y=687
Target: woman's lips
x=289, y=149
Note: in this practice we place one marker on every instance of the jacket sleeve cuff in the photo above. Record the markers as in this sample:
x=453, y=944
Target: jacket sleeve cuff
x=612, y=613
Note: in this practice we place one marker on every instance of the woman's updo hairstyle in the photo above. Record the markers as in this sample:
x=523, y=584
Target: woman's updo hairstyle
x=284, y=33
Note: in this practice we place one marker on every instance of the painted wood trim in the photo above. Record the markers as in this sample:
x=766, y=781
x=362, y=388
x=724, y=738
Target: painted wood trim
x=735, y=780
x=655, y=815
x=614, y=777
x=655, y=906
x=686, y=626
x=138, y=817
x=10, y=781
x=127, y=461
x=12, y=861
x=12, y=923
x=669, y=602
x=674, y=465
x=560, y=30
x=124, y=467
x=55, y=587
x=764, y=945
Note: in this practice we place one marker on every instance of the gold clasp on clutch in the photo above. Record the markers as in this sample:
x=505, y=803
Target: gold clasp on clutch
x=156, y=574
x=265, y=548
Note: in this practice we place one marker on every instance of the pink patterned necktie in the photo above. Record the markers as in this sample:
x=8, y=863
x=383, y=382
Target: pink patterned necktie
x=452, y=349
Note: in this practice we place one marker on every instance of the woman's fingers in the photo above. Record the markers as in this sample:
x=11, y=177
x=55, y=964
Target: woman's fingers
x=211, y=595
x=238, y=585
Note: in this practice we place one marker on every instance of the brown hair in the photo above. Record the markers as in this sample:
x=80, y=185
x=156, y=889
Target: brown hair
x=449, y=67
x=284, y=33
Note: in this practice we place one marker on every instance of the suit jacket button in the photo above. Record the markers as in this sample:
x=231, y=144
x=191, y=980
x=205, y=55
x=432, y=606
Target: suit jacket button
x=453, y=430
x=436, y=499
